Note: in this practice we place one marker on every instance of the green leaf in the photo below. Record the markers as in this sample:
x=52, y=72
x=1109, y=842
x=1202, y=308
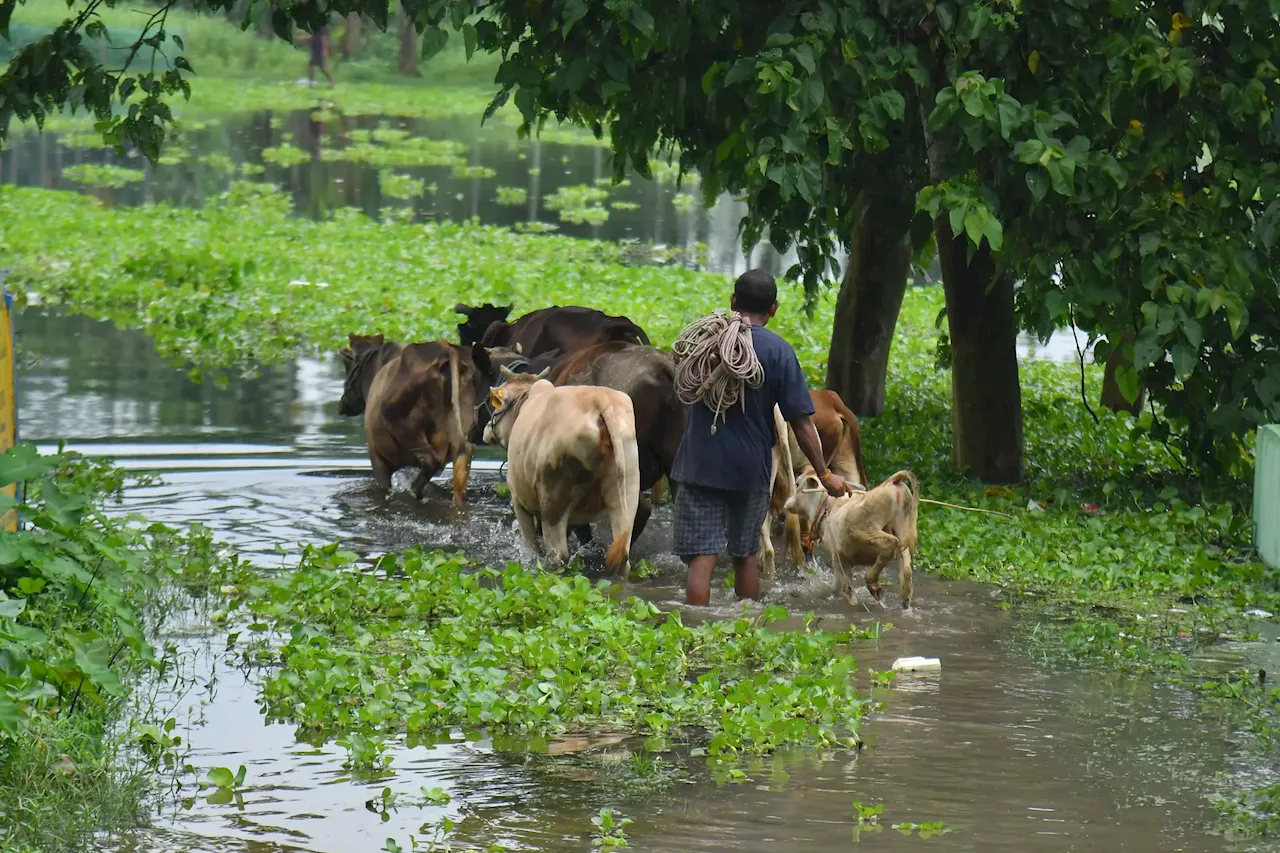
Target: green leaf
x=1037, y=184
x=10, y=608
x=1236, y=313
x=1127, y=382
x=974, y=225
x=12, y=719
x=1029, y=151
x=469, y=38
x=993, y=230
x=641, y=19
x=1184, y=360
x=433, y=41
x=93, y=662
x=221, y=777
x=23, y=462
x=1062, y=177
x=946, y=17
x=573, y=11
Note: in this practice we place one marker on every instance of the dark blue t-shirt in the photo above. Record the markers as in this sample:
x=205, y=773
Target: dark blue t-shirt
x=737, y=457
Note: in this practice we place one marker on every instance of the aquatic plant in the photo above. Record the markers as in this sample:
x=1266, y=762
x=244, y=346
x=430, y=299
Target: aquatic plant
x=423, y=643
x=512, y=196
x=579, y=204
x=408, y=152
x=102, y=175
x=480, y=172
x=285, y=154
x=400, y=186
x=80, y=595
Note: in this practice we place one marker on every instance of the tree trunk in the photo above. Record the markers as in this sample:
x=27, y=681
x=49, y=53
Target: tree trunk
x=350, y=44
x=986, y=398
x=407, y=62
x=875, y=281
x=265, y=30
x=1112, y=398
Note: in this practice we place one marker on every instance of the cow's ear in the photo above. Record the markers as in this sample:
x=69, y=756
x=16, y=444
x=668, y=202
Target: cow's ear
x=519, y=350
x=464, y=310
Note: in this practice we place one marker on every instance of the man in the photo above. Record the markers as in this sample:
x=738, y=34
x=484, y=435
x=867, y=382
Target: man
x=319, y=55
x=723, y=477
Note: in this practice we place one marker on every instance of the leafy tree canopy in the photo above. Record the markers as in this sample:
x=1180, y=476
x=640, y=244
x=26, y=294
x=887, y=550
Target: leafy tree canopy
x=1119, y=158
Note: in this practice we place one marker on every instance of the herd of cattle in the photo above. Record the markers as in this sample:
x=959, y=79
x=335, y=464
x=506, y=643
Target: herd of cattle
x=595, y=441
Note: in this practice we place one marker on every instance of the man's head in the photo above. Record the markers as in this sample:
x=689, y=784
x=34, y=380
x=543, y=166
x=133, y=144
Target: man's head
x=755, y=293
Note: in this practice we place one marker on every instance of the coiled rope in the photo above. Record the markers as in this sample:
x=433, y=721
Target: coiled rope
x=715, y=360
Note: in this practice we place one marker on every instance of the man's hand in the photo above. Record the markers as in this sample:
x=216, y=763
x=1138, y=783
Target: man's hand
x=836, y=485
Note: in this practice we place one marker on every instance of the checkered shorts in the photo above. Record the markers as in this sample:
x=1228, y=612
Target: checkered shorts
x=707, y=520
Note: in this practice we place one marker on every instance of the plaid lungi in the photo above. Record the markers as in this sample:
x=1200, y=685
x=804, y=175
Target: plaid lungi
x=709, y=520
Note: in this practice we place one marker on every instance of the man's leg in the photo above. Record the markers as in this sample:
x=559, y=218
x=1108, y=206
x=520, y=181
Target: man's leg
x=746, y=578
x=699, y=538
x=746, y=517
x=698, y=591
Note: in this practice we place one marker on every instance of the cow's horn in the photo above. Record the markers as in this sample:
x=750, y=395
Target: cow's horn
x=507, y=372
x=519, y=349
x=546, y=371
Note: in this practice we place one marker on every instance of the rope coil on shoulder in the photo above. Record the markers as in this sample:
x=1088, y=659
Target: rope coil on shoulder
x=715, y=360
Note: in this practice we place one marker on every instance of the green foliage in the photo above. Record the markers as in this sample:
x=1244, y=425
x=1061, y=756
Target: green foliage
x=400, y=186
x=610, y=831
x=580, y=203
x=423, y=644
x=285, y=154
x=512, y=196
x=400, y=153
x=95, y=175
x=80, y=592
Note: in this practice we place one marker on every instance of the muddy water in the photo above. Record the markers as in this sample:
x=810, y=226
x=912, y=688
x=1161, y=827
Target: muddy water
x=1012, y=754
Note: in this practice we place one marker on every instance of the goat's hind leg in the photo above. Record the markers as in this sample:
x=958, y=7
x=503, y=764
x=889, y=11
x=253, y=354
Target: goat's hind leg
x=885, y=546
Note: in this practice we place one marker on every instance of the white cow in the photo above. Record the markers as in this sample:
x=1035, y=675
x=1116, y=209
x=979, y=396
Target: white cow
x=572, y=459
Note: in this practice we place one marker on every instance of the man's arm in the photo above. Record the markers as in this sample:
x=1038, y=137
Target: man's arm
x=807, y=438
x=796, y=404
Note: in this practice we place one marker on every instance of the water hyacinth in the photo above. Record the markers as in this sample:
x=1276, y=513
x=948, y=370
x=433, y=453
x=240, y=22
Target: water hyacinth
x=426, y=643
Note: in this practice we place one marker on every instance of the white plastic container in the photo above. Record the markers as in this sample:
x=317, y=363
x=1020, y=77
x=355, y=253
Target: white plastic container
x=917, y=664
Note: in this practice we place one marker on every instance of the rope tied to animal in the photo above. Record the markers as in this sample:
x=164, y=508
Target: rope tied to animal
x=715, y=361
x=352, y=389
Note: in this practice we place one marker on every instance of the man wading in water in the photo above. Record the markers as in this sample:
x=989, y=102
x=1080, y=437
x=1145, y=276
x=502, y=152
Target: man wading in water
x=731, y=378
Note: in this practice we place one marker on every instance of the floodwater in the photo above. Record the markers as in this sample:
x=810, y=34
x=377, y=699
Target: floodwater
x=1011, y=753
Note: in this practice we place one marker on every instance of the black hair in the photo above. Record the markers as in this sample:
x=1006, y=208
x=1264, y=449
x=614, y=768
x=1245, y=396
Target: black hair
x=755, y=292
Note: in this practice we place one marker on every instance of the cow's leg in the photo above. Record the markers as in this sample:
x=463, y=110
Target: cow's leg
x=791, y=536
x=644, y=509
x=555, y=530
x=528, y=527
x=461, y=473
x=766, y=553
x=906, y=583
x=885, y=546
x=381, y=471
x=420, y=482
x=583, y=532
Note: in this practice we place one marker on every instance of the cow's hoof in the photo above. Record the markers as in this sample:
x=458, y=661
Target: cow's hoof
x=877, y=591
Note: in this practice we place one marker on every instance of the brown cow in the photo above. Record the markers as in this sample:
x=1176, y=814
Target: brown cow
x=841, y=440
x=566, y=328
x=418, y=402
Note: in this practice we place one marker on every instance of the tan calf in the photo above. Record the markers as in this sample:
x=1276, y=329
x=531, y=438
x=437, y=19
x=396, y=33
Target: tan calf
x=865, y=528
x=572, y=458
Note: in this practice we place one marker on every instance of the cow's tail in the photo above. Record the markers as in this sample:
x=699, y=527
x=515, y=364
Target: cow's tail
x=911, y=507
x=855, y=436
x=618, y=439
x=784, y=488
x=455, y=392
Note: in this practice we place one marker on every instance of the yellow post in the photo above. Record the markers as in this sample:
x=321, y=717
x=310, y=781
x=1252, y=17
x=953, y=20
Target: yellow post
x=8, y=399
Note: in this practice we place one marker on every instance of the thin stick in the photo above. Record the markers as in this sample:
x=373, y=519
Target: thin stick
x=966, y=508
x=1084, y=395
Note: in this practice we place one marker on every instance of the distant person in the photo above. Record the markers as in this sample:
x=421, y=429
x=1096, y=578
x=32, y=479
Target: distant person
x=319, y=55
